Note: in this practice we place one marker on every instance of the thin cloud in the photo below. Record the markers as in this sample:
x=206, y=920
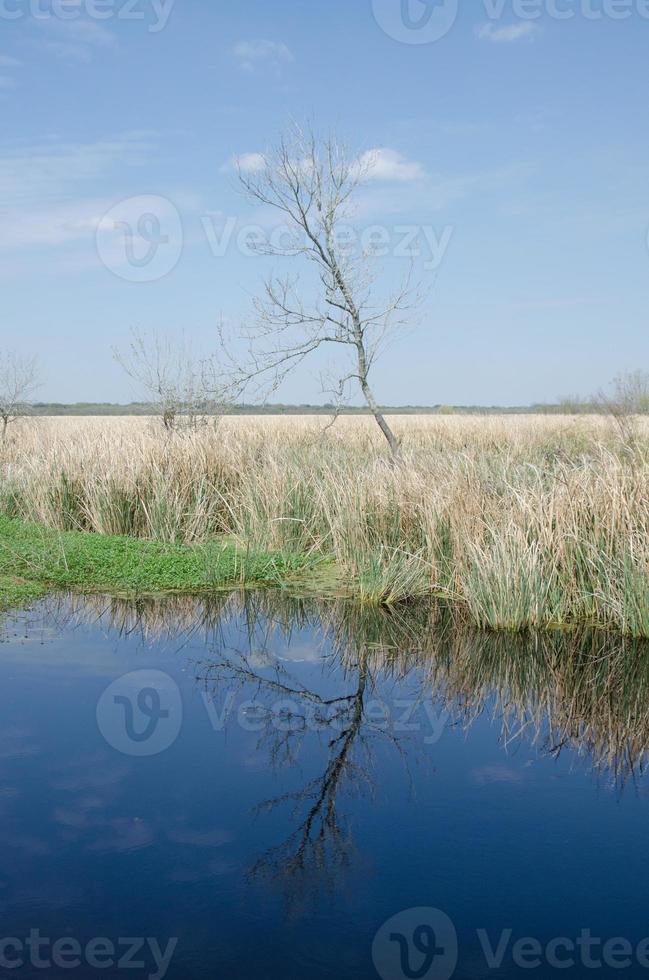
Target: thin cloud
x=51, y=226
x=508, y=34
x=49, y=189
x=73, y=41
x=436, y=192
x=7, y=62
x=261, y=53
x=48, y=170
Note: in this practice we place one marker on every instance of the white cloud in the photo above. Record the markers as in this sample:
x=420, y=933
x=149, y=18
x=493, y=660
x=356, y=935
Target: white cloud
x=380, y=164
x=251, y=163
x=7, y=62
x=261, y=53
x=247, y=163
x=389, y=165
x=507, y=34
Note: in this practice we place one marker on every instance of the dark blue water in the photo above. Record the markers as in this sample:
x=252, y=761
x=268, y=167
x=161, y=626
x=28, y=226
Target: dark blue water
x=264, y=789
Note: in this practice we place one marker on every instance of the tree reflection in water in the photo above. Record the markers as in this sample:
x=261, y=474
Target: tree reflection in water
x=320, y=847
x=584, y=692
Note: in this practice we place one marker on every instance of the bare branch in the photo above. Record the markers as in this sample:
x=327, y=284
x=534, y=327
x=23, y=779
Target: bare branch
x=18, y=383
x=184, y=389
x=628, y=399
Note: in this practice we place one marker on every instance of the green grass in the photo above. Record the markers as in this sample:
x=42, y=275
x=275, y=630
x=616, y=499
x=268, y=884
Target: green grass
x=17, y=592
x=35, y=559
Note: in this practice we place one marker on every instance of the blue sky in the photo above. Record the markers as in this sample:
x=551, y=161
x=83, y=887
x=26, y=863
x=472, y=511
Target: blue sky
x=513, y=138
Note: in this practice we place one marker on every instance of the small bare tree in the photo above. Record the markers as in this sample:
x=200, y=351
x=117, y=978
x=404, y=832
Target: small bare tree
x=313, y=182
x=18, y=383
x=183, y=389
x=628, y=399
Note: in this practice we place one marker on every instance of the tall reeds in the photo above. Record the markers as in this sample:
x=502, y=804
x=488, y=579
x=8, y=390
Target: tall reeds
x=528, y=521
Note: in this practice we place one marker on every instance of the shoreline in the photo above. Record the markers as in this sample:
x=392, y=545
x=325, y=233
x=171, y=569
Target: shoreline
x=36, y=561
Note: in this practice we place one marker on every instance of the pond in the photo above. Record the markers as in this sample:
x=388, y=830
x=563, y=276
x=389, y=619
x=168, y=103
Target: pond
x=263, y=787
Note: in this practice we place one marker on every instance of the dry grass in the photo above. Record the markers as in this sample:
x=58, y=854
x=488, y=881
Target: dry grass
x=528, y=520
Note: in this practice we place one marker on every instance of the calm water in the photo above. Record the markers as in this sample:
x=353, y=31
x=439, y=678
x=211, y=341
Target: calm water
x=256, y=789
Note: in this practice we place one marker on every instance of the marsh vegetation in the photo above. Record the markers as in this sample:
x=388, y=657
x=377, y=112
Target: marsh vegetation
x=524, y=522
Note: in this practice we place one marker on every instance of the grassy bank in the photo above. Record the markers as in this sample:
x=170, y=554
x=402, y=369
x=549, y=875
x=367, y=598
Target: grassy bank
x=35, y=559
x=527, y=521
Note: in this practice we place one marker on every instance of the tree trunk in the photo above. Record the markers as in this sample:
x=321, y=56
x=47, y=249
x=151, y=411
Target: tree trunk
x=393, y=442
x=363, y=369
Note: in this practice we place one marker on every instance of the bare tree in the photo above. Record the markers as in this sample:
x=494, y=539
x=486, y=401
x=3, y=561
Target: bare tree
x=18, y=382
x=313, y=182
x=183, y=388
x=628, y=399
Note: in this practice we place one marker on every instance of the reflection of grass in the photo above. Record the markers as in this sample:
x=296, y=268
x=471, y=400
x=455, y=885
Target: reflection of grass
x=583, y=691
x=33, y=559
